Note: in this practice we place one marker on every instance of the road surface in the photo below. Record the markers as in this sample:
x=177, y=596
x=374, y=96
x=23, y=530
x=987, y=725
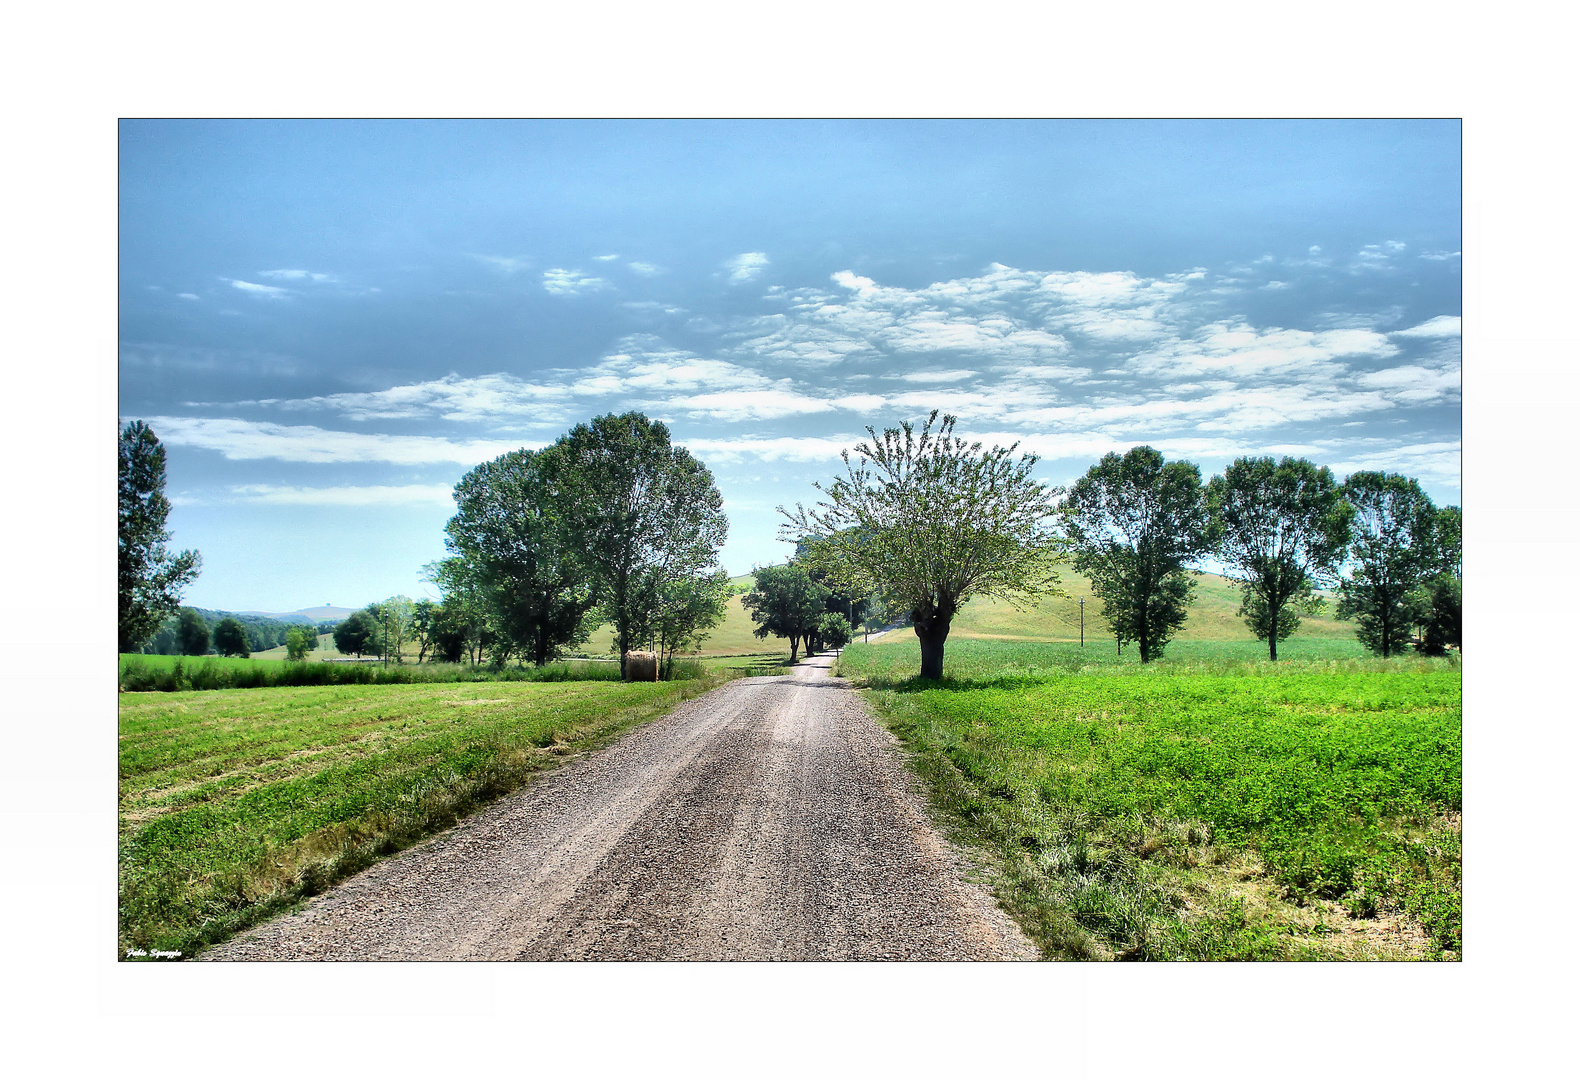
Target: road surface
x=771, y=819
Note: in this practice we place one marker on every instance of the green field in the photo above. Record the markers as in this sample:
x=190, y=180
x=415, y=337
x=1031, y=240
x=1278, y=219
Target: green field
x=1210, y=806
x=235, y=804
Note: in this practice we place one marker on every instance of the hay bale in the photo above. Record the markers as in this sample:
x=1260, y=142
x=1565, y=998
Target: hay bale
x=641, y=667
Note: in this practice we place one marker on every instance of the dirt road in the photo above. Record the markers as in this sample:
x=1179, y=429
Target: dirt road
x=771, y=819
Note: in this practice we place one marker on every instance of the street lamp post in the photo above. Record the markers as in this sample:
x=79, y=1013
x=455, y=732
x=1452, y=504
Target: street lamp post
x=1082, y=602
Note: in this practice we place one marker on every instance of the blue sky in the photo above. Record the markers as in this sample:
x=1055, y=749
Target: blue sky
x=329, y=323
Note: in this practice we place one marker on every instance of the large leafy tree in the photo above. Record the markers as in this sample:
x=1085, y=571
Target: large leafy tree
x=1134, y=523
x=644, y=514
x=1283, y=527
x=932, y=520
x=511, y=530
x=230, y=638
x=785, y=602
x=151, y=577
x=1394, y=549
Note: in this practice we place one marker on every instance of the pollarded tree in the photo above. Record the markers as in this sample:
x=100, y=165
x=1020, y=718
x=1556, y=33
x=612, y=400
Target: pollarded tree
x=230, y=638
x=1393, y=550
x=785, y=602
x=644, y=513
x=1134, y=523
x=511, y=530
x=932, y=520
x=150, y=578
x=1283, y=526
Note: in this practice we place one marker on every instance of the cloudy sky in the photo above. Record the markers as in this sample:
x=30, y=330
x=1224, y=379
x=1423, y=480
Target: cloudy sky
x=328, y=323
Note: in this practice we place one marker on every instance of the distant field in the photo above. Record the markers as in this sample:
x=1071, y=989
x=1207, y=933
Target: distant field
x=236, y=803
x=1210, y=806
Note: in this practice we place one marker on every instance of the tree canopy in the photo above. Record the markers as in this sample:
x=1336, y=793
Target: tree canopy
x=354, y=633
x=151, y=578
x=932, y=520
x=1134, y=523
x=1283, y=526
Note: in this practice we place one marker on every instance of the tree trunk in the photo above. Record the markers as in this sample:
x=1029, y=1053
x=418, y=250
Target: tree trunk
x=795, y=641
x=932, y=630
x=1272, y=637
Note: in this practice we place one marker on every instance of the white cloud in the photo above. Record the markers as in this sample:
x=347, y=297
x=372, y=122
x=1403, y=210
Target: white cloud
x=464, y=400
x=606, y=258
x=271, y=291
x=510, y=264
x=957, y=375
x=562, y=282
x=187, y=296
x=373, y=495
x=1439, y=326
x=781, y=449
x=645, y=269
x=249, y=440
x=1438, y=256
x=746, y=267
x=296, y=275
x=767, y=404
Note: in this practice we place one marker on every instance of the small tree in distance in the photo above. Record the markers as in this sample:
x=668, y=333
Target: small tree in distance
x=352, y=635
x=192, y=633
x=299, y=641
x=230, y=638
x=787, y=603
x=1134, y=523
x=932, y=520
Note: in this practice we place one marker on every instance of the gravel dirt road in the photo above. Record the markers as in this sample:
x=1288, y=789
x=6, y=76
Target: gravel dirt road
x=771, y=819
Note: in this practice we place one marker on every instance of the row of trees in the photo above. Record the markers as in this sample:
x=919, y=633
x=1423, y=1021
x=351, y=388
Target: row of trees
x=196, y=631
x=1283, y=529
x=928, y=520
x=795, y=602
x=612, y=523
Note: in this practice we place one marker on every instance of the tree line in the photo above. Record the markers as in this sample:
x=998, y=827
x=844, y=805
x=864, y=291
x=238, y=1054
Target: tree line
x=928, y=520
x=199, y=631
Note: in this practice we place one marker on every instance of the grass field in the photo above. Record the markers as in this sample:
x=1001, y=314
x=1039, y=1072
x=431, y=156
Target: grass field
x=235, y=804
x=1210, y=806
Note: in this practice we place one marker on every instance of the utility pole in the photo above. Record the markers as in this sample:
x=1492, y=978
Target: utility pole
x=1082, y=602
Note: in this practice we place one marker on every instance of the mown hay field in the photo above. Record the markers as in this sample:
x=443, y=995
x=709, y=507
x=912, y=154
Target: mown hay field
x=1210, y=806
x=235, y=804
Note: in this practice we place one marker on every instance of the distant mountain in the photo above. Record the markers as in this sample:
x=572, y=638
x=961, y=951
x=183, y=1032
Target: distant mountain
x=312, y=614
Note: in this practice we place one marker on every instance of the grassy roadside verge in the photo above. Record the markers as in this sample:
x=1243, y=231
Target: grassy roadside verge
x=236, y=804
x=1211, y=808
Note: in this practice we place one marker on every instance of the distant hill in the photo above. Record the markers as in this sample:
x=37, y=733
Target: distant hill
x=312, y=614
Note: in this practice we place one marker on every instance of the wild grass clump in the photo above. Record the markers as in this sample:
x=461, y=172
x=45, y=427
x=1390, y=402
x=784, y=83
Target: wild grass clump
x=1209, y=809
x=237, y=804
x=171, y=674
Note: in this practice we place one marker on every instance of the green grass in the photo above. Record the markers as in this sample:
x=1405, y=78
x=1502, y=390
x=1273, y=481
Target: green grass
x=1211, y=806
x=235, y=804
x=173, y=673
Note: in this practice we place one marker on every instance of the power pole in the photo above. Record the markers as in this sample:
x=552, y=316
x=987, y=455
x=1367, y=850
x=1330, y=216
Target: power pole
x=1082, y=602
